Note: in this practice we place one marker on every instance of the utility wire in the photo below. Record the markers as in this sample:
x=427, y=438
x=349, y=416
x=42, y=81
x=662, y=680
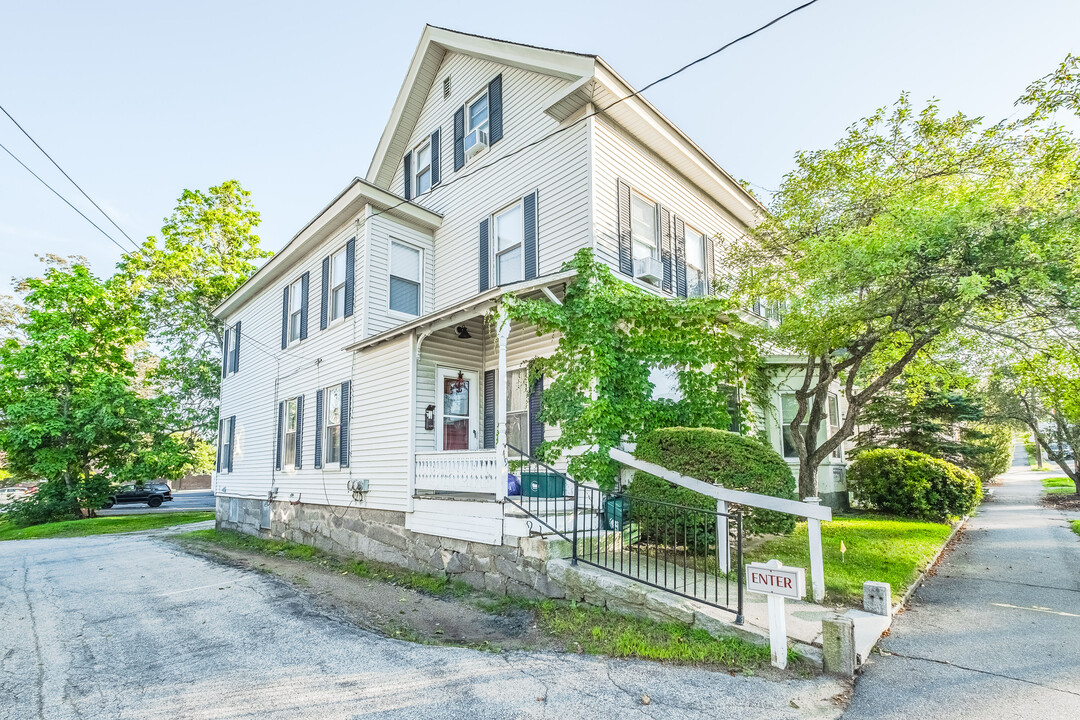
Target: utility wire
x=57, y=165
x=57, y=194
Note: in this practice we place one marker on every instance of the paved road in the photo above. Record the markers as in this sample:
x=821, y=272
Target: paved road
x=126, y=626
x=996, y=632
x=182, y=500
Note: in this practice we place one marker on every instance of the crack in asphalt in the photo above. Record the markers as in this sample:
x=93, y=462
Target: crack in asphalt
x=977, y=670
x=40, y=682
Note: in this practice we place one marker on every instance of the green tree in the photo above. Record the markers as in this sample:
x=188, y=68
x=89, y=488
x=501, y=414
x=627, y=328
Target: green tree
x=73, y=413
x=612, y=335
x=926, y=423
x=207, y=249
x=914, y=227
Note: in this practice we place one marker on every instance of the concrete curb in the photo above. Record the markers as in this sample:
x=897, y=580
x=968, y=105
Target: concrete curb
x=902, y=603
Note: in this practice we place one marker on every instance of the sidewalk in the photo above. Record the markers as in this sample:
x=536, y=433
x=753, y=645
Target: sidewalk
x=996, y=633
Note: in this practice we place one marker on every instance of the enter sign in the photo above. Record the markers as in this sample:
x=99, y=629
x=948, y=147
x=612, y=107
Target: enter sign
x=774, y=579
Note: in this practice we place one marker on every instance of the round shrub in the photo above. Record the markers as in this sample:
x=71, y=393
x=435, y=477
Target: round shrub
x=733, y=461
x=914, y=485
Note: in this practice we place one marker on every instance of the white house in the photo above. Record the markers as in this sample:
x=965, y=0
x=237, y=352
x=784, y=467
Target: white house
x=366, y=401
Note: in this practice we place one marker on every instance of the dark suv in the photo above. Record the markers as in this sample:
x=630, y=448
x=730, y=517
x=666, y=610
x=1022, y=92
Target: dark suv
x=151, y=493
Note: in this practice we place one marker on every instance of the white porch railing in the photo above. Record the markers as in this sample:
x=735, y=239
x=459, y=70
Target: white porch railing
x=471, y=471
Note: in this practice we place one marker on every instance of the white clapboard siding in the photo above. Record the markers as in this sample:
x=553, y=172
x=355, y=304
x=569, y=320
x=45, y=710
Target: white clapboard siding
x=557, y=168
x=473, y=521
x=444, y=348
x=381, y=231
x=616, y=155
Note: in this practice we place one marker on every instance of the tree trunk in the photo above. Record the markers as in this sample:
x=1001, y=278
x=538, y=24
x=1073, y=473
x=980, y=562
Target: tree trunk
x=807, y=480
x=1038, y=454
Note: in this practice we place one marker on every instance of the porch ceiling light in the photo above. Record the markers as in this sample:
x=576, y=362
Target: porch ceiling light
x=462, y=332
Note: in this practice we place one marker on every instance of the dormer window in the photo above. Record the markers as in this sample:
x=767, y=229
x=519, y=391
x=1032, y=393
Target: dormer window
x=423, y=167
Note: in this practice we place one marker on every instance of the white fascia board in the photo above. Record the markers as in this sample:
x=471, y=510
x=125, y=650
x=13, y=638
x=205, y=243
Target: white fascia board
x=569, y=66
x=348, y=203
x=675, y=147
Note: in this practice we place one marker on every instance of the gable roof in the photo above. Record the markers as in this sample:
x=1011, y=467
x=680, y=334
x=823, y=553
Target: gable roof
x=592, y=80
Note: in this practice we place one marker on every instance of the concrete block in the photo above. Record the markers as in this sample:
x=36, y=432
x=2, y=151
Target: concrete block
x=838, y=645
x=877, y=598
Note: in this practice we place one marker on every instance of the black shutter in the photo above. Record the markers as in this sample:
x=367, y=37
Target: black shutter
x=680, y=257
x=350, y=275
x=220, y=437
x=435, y=169
x=232, y=440
x=280, y=432
x=285, y=319
x=344, y=460
x=485, y=258
x=710, y=265
x=304, y=279
x=495, y=131
x=531, y=261
x=536, y=427
x=324, y=311
x=299, y=431
x=626, y=249
x=408, y=176
x=318, y=428
x=489, y=409
x=666, y=249
x=226, y=358
x=236, y=348
x=459, y=139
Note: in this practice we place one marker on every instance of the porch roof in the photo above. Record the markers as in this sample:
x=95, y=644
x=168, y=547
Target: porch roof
x=469, y=308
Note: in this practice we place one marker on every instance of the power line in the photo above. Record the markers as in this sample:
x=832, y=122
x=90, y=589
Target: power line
x=57, y=194
x=57, y=165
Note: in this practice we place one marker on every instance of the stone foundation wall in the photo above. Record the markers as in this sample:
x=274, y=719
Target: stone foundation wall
x=517, y=567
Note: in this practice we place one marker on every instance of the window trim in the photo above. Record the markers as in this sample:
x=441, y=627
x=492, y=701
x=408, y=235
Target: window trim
x=401, y=314
x=785, y=425
x=493, y=261
x=335, y=464
x=525, y=427
x=296, y=312
x=330, y=319
x=687, y=229
x=468, y=124
x=224, y=431
x=293, y=402
x=657, y=251
x=417, y=171
x=834, y=424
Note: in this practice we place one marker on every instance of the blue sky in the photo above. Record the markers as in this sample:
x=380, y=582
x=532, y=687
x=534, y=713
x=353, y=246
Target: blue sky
x=138, y=100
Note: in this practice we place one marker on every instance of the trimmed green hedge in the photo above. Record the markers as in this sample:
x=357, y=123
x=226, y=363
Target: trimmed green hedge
x=911, y=484
x=733, y=461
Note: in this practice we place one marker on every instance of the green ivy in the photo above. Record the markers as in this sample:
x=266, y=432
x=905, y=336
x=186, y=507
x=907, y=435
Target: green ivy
x=611, y=334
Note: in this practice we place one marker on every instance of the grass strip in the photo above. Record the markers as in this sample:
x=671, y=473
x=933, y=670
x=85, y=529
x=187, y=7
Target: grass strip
x=100, y=525
x=1075, y=525
x=1058, y=485
x=424, y=582
x=879, y=547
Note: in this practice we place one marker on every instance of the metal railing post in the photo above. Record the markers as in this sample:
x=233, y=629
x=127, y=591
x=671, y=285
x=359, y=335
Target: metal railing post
x=738, y=556
x=573, y=537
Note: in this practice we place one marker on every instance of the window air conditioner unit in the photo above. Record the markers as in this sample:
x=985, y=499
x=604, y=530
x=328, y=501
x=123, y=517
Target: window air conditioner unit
x=649, y=269
x=476, y=141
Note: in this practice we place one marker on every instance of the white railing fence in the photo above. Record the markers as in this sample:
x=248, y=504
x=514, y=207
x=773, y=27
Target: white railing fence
x=471, y=471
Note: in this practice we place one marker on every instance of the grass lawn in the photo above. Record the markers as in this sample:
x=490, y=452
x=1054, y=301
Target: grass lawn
x=1075, y=525
x=879, y=547
x=100, y=525
x=1058, y=485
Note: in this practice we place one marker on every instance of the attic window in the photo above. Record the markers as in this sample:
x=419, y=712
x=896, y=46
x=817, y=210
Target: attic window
x=446, y=87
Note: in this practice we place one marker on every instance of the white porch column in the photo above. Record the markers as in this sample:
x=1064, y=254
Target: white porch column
x=503, y=333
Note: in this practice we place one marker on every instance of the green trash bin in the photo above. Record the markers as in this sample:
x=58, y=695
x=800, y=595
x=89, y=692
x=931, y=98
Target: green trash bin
x=616, y=512
x=542, y=484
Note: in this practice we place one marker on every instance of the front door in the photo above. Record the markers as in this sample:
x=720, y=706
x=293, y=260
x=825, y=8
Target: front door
x=457, y=409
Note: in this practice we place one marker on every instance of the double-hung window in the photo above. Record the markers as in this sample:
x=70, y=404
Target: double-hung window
x=509, y=237
x=834, y=425
x=517, y=409
x=789, y=406
x=296, y=303
x=405, y=268
x=476, y=118
x=422, y=174
x=332, y=426
x=337, y=284
x=695, y=263
x=643, y=228
x=289, y=435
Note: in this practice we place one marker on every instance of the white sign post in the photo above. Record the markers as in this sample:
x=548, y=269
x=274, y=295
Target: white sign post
x=779, y=583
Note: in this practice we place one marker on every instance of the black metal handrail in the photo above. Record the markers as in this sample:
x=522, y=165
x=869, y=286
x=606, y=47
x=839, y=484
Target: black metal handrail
x=677, y=548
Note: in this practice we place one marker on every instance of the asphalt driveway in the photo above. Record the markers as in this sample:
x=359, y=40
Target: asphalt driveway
x=996, y=633
x=128, y=626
